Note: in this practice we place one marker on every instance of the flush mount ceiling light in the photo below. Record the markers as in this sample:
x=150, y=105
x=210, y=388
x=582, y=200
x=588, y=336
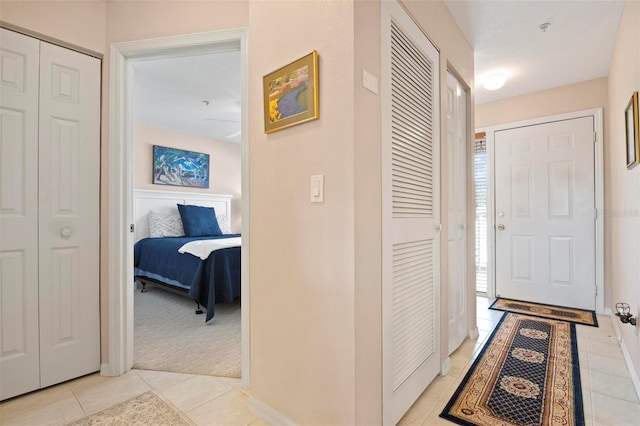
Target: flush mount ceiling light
x=494, y=81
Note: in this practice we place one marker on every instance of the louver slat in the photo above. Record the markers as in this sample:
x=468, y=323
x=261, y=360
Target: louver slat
x=405, y=43
x=412, y=129
x=413, y=299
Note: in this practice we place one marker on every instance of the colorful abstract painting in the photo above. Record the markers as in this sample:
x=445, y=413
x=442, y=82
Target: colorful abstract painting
x=291, y=94
x=173, y=166
x=288, y=94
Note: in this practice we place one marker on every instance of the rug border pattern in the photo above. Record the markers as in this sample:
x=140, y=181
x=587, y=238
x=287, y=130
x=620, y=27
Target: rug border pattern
x=573, y=365
x=594, y=317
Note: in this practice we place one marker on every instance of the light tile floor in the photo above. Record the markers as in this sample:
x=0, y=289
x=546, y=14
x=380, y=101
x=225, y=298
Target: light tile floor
x=608, y=392
x=609, y=396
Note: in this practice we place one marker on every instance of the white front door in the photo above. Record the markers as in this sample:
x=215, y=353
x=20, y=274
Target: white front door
x=545, y=213
x=69, y=188
x=19, y=344
x=410, y=212
x=457, y=211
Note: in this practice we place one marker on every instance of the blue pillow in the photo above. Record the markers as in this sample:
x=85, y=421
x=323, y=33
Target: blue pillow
x=199, y=221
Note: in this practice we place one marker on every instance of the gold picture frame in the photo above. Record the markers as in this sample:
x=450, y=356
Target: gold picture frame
x=291, y=94
x=632, y=132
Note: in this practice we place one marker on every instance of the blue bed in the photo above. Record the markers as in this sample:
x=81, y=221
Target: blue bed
x=210, y=281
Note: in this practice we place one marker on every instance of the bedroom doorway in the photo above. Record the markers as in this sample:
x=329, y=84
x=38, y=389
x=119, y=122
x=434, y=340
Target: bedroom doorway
x=124, y=56
x=187, y=112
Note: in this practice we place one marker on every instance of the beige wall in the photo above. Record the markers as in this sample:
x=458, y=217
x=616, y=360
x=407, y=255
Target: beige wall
x=139, y=20
x=81, y=23
x=302, y=301
x=224, y=164
x=575, y=97
x=368, y=219
x=622, y=186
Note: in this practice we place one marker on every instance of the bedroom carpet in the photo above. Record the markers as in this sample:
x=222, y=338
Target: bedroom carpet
x=169, y=336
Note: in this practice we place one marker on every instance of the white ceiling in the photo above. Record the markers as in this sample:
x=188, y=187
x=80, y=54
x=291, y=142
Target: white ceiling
x=170, y=94
x=505, y=38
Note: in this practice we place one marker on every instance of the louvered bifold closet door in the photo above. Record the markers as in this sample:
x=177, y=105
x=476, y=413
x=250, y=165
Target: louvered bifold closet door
x=410, y=197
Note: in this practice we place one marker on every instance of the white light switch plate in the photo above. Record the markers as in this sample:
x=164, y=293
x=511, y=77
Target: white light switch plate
x=369, y=82
x=317, y=188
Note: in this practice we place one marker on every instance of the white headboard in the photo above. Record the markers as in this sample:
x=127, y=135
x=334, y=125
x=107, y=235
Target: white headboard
x=166, y=202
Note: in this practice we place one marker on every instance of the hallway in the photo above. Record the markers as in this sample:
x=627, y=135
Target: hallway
x=609, y=396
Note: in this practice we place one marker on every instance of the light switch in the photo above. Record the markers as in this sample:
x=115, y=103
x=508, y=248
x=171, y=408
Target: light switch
x=369, y=82
x=317, y=188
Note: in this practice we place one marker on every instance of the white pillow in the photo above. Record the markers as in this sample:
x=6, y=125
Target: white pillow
x=223, y=223
x=165, y=225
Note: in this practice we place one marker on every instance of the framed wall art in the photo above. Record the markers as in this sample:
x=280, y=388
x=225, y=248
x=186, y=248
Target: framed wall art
x=172, y=166
x=632, y=132
x=291, y=94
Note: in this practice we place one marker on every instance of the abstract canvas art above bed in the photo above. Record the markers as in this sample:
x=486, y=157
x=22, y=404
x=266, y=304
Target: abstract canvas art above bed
x=173, y=166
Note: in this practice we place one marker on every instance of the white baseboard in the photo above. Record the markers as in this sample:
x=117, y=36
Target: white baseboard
x=473, y=334
x=268, y=414
x=106, y=370
x=625, y=352
x=445, y=366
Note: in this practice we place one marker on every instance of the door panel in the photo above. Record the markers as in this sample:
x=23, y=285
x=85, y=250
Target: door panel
x=410, y=212
x=19, y=347
x=69, y=215
x=545, y=222
x=457, y=211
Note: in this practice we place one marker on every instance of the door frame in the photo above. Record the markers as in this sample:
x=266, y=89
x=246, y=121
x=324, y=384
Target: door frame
x=597, y=115
x=121, y=144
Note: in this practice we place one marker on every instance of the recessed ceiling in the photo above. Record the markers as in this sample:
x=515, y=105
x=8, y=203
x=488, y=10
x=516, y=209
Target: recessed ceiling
x=198, y=95
x=577, y=46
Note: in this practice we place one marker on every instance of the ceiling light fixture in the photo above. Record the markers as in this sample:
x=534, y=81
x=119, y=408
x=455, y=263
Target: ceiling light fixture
x=494, y=81
x=544, y=27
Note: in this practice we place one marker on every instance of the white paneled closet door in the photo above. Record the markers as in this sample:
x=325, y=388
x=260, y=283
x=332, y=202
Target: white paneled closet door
x=52, y=315
x=411, y=212
x=457, y=211
x=69, y=214
x=19, y=337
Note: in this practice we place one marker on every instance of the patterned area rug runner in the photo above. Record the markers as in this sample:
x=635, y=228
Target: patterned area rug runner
x=145, y=409
x=527, y=374
x=578, y=316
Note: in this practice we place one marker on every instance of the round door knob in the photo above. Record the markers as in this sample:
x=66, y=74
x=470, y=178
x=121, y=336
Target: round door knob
x=501, y=227
x=65, y=232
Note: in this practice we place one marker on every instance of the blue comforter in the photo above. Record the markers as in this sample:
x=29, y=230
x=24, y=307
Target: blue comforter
x=210, y=281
